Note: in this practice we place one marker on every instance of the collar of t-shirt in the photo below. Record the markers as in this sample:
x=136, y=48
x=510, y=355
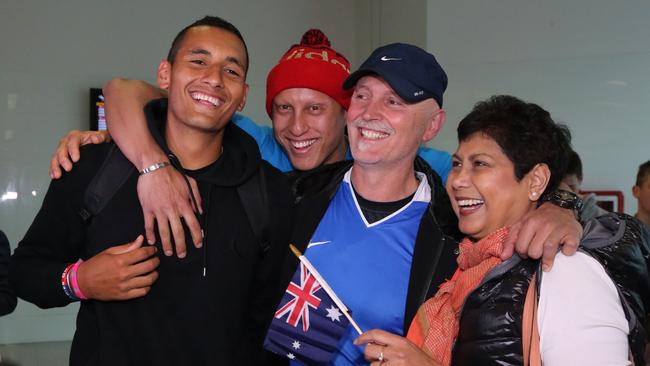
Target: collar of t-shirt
x=375, y=211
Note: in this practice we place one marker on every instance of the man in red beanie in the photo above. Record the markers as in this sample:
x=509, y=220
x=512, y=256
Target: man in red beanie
x=306, y=102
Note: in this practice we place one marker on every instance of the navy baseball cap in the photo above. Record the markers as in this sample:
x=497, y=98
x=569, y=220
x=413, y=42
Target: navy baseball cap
x=413, y=73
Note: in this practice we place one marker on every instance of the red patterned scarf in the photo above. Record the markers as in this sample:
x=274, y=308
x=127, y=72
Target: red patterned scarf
x=435, y=325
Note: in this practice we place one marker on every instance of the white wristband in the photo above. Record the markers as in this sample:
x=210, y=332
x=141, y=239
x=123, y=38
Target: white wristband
x=155, y=167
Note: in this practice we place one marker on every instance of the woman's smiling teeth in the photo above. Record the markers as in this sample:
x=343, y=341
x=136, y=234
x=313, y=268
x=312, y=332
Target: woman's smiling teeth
x=467, y=203
x=207, y=98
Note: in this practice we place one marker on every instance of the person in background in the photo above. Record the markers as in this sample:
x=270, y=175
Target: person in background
x=573, y=177
x=641, y=192
x=572, y=181
x=511, y=154
x=7, y=294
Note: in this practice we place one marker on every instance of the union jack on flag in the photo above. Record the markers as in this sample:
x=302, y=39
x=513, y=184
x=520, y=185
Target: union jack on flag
x=303, y=299
x=307, y=326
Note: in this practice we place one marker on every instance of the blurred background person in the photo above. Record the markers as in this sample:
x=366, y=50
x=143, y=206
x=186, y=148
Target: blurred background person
x=641, y=192
x=572, y=181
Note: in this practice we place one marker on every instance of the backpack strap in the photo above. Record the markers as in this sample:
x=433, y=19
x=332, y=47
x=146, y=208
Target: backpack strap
x=113, y=173
x=530, y=330
x=254, y=198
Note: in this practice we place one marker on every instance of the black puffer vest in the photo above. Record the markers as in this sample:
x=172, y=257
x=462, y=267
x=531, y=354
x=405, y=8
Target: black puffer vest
x=491, y=318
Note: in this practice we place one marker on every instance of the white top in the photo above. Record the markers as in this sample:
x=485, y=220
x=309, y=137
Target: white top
x=581, y=319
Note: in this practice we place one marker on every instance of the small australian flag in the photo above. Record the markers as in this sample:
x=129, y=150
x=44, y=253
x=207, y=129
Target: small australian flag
x=308, y=325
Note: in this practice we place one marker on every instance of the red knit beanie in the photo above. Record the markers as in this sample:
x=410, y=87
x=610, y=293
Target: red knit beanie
x=312, y=64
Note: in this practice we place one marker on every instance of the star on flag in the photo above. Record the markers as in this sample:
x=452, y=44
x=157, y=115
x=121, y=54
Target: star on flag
x=334, y=313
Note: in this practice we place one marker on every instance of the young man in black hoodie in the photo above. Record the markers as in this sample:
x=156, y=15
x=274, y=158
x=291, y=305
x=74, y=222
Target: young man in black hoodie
x=211, y=307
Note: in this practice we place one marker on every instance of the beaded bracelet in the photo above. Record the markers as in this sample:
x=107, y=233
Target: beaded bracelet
x=65, y=282
x=76, y=290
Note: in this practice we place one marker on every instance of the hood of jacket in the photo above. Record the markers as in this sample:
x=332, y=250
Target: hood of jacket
x=240, y=158
x=603, y=231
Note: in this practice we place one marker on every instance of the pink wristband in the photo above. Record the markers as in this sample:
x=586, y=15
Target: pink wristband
x=75, y=285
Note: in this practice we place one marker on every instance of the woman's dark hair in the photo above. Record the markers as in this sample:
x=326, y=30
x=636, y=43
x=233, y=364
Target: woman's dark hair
x=525, y=132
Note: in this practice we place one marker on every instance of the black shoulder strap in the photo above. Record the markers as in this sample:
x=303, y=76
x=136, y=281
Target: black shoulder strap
x=254, y=197
x=113, y=173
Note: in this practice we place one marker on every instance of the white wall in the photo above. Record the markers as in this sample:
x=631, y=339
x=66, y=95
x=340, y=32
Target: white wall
x=586, y=61
x=52, y=52
x=381, y=22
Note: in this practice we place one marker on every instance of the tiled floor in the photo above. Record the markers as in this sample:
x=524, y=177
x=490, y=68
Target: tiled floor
x=35, y=354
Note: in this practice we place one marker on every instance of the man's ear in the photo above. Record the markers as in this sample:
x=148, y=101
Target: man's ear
x=539, y=178
x=636, y=191
x=241, y=105
x=163, y=76
x=434, y=124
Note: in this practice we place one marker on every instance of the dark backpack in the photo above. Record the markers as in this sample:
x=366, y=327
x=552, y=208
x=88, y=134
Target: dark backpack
x=116, y=169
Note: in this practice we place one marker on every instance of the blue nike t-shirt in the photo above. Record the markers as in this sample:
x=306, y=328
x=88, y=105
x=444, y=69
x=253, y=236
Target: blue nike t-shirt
x=367, y=265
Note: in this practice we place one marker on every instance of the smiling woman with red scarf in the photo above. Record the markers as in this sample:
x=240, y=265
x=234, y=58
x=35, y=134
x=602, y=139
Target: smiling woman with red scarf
x=589, y=309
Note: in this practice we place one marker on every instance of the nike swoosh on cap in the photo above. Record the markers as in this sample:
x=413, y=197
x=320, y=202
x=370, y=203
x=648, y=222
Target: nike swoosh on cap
x=384, y=58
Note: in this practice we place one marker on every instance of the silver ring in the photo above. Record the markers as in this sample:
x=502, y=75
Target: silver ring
x=381, y=357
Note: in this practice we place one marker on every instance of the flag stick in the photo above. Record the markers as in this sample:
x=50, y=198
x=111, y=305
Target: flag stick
x=325, y=286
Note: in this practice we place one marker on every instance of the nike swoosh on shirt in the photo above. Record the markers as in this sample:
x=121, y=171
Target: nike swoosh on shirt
x=384, y=58
x=318, y=243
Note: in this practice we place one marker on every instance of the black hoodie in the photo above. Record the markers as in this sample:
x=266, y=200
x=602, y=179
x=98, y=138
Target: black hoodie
x=187, y=318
